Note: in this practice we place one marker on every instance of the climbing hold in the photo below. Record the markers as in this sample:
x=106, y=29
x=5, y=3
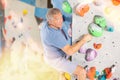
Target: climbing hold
x=97, y=46
x=9, y=17
x=110, y=28
x=86, y=68
x=91, y=73
x=103, y=72
x=97, y=2
x=108, y=73
x=116, y=2
x=67, y=76
x=113, y=68
x=95, y=30
x=115, y=79
x=108, y=10
x=15, y=26
x=99, y=20
x=20, y=35
x=97, y=74
x=82, y=9
x=29, y=28
x=25, y=12
x=66, y=7
x=13, y=39
x=90, y=54
x=102, y=77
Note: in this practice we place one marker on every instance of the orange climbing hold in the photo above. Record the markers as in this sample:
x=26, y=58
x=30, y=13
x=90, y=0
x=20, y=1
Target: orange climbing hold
x=81, y=10
x=9, y=17
x=91, y=73
x=116, y=2
x=97, y=46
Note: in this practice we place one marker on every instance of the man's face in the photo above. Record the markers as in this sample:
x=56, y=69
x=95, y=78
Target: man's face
x=57, y=21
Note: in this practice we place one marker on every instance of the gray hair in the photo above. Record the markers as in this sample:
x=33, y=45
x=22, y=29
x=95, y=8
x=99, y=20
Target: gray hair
x=51, y=12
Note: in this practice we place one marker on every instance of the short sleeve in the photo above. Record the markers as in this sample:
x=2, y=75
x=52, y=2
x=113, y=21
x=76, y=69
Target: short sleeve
x=59, y=41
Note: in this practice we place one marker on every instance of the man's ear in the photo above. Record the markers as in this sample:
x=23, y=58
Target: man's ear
x=49, y=22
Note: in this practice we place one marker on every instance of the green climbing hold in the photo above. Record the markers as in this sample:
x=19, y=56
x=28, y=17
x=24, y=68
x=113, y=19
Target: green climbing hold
x=66, y=7
x=95, y=30
x=97, y=74
x=100, y=21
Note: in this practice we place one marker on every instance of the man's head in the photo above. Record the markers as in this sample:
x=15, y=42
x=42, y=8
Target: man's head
x=54, y=18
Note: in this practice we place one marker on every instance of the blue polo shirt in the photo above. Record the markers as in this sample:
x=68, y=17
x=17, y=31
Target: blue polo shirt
x=54, y=40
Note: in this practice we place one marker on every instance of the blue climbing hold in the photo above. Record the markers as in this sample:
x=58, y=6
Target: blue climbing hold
x=102, y=77
x=110, y=29
x=97, y=74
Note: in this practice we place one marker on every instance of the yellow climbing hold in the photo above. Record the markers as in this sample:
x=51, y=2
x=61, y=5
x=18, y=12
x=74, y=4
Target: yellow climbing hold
x=67, y=76
x=107, y=10
x=25, y=12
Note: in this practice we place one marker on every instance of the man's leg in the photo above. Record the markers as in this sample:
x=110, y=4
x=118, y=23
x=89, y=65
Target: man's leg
x=64, y=65
x=80, y=72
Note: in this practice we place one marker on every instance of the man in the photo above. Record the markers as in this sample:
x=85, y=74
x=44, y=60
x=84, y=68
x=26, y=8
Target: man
x=57, y=47
x=67, y=17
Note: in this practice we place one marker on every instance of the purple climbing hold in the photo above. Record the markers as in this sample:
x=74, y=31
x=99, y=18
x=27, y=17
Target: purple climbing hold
x=91, y=54
x=115, y=79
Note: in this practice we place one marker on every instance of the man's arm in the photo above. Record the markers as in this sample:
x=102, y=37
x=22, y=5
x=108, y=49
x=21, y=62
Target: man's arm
x=71, y=49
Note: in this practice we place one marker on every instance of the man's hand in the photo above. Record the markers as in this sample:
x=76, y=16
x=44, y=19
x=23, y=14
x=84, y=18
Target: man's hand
x=80, y=72
x=87, y=37
x=82, y=75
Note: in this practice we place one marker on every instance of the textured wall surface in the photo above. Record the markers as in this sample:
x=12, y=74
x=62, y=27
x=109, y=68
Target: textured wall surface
x=109, y=53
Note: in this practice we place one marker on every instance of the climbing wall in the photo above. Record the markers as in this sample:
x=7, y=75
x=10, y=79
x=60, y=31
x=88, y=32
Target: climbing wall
x=107, y=46
x=24, y=60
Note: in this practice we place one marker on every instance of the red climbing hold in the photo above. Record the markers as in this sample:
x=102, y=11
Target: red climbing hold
x=108, y=73
x=97, y=46
x=116, y=2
